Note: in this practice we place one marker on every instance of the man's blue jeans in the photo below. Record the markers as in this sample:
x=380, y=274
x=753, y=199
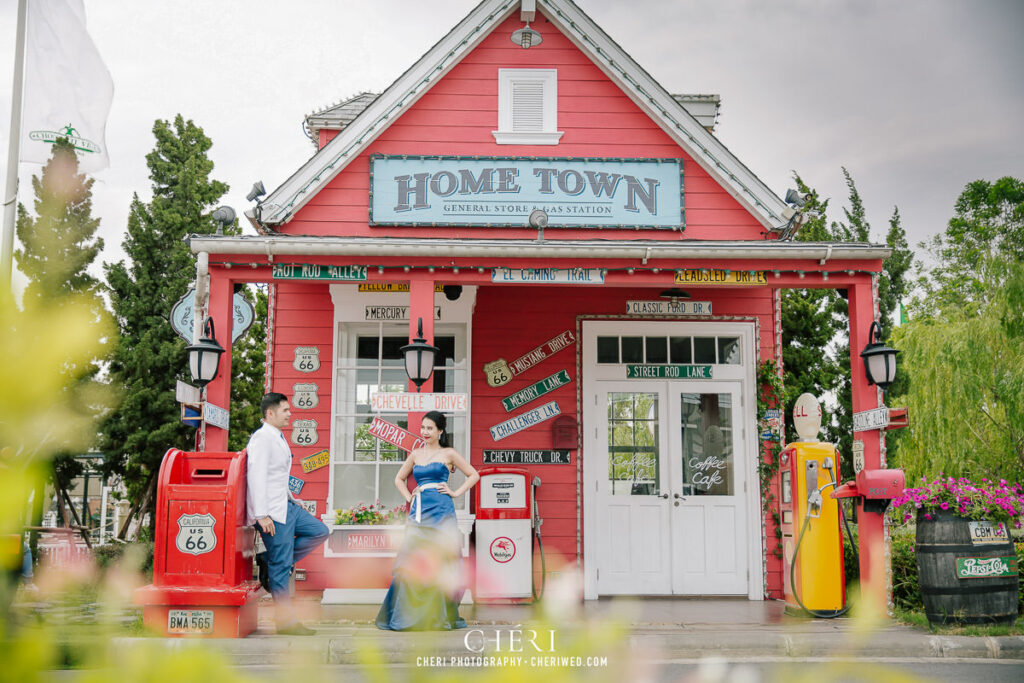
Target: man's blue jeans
x=297, y=537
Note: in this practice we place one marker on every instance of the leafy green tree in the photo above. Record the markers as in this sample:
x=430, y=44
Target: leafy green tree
x=809, y=323
x=144, y=287
x=987, y=226
x=964, y=347
x=965, y=399
x=59, y=243
x=815, y=322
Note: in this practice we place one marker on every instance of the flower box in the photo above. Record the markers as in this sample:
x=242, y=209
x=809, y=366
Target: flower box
x=364, y=540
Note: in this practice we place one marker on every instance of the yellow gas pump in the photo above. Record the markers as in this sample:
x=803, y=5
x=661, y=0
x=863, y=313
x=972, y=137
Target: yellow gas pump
x=813, y=575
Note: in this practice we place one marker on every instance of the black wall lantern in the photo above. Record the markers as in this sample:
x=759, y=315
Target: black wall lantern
x=419, y=358
x=204, y=356
x=879, y=359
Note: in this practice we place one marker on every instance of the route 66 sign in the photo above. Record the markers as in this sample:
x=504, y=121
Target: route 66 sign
x=498, y=373
x=307, y=358
x=195, y=534
x=305, y=396
x=304, y=432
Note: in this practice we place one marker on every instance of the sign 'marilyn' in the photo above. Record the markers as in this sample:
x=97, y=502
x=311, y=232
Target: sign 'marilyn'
x=501, y=192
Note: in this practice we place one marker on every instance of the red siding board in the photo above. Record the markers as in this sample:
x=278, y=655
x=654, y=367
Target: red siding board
x=458, y=114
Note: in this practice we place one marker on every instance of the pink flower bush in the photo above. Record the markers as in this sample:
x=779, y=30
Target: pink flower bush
x=375, y=513
x=997, y=502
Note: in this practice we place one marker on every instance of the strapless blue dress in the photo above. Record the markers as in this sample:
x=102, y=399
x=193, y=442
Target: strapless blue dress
x=426, y=585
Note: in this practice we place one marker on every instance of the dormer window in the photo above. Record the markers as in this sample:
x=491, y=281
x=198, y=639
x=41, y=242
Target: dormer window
x=527, y=107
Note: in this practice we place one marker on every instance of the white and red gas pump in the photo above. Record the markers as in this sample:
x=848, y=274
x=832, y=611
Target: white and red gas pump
x=506, y=522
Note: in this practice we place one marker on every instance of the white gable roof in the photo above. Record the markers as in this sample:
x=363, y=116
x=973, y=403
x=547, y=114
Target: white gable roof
x=282, y=204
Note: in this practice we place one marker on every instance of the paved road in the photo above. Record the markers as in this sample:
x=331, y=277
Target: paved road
x=763, y=670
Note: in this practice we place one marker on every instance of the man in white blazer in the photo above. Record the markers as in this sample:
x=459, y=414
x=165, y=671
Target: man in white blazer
x=288, y=531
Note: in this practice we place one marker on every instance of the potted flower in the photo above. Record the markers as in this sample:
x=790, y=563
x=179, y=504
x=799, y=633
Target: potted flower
x=966, y=563
x=372, y=530
x=374, y=513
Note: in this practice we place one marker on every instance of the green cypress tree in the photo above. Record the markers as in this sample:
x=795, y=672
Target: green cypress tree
x=143, y=288
x=248, y=372
x=59, y=244
x=815, y=323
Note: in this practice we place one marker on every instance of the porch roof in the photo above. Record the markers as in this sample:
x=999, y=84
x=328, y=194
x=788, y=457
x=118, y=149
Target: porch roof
x=448, y=248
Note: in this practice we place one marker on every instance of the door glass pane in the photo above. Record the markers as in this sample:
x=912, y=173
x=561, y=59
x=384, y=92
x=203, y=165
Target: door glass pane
x=680, y=350
x=706, y=421
x=607, y=349
x=704, y=350
x=729, y=350
x=632, y=349
x=657, y=351
x=633, y=463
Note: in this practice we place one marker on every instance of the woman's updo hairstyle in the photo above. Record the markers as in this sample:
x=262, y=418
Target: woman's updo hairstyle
x=438, y=419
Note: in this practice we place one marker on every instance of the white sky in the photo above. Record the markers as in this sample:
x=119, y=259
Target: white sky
x=916, y=97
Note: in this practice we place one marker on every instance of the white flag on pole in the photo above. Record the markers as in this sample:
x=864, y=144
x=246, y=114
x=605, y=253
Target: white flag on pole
x=68, y=88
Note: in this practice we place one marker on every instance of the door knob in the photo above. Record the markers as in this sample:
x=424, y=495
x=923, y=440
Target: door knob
x=677, y=496
x=663, y=495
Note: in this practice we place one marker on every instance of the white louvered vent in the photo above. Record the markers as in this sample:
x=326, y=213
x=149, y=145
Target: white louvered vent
x=527, y=107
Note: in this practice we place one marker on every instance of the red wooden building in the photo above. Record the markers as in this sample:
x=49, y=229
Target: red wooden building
x=613, y=353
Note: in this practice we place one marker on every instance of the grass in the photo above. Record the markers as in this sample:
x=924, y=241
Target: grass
x=918, y=619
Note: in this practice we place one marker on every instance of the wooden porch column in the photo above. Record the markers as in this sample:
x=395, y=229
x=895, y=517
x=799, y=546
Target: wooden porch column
x=218, y=392
x=870, y=525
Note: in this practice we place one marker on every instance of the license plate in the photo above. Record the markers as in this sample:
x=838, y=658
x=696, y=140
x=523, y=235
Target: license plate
x=190, y=621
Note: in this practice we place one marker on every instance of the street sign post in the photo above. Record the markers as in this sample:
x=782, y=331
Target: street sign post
x=871, y=419
x=183, y=312
x=215, y=416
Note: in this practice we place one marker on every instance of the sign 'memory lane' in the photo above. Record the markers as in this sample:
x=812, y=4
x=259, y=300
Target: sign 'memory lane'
x=535, y=391
x=669, y=372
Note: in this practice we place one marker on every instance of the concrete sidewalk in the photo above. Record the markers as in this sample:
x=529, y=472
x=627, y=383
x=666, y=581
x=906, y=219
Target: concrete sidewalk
x=628, y=629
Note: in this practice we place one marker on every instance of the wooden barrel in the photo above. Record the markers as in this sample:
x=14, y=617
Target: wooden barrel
x=963, y=581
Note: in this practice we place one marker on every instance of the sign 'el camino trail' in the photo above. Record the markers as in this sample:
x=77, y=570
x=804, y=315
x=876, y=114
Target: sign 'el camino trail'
x=501, y=192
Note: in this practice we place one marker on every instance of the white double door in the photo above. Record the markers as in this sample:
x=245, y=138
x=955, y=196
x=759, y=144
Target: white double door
x=670, y=509
x=667, y=475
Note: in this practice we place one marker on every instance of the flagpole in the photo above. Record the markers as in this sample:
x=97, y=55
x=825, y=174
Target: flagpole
x=13, y=149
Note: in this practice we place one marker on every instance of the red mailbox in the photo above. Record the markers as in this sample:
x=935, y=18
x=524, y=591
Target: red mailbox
x=203, y=553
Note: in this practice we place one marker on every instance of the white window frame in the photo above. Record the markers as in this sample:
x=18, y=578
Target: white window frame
x=349, y=308
x=550, y=135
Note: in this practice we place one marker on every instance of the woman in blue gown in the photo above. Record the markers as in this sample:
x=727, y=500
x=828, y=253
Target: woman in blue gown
x=426, y=587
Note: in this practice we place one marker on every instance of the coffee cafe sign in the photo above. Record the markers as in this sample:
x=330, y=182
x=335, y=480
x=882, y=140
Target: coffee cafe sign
x=501, y=192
